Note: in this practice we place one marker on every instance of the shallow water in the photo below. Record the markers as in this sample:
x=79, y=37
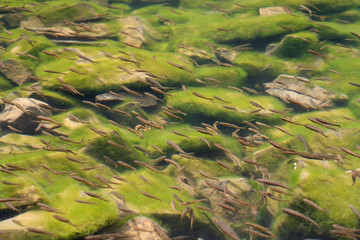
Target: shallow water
x=179, y=119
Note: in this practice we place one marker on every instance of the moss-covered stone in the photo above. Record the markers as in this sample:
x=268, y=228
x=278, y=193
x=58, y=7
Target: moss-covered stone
x=69, y=13
x=262, y=68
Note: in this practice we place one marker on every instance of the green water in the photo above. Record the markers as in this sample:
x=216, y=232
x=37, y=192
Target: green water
x=232, y=119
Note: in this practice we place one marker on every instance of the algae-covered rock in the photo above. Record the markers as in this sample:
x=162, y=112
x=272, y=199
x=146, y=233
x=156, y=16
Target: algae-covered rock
x=269, y=11
x=133, y=31
x=21, y=115
x=295, y=45
x=300, y=91
x=12, y=20
x=236, y=109
x=15, y=71
x=143, y=228
x=59, y=15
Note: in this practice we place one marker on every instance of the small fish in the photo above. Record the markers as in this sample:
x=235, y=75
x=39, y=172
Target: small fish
x=12, y=207
x=256, y=104
x=201, y=96
x=180, y=134
x=175, y=146
x=257, y=233
x=271, y=182
x=284, y=131
x=226, y=229
x=179, y=66
x=220, y=99
x=62, y=219
x=279, y=146
x=205, y=141
x=311, y=203
x=225, y=166
x=150, y=196
x=316, y=53
x=126, y=165
x=83, y=201
x=40, y=231
x=315, y=129
x=299, y=215
x=95, y=196
x=50, y=53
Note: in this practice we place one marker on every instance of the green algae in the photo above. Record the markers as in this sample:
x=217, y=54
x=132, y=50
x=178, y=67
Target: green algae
x=198, y=108
x=262, y=68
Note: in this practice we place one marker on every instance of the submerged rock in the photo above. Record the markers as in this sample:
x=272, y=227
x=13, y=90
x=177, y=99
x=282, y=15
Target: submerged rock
x=133, y=31
x=12, y=20
x=76, y=12
x=269, y=11
x=25, y=122
x=226, y=56
x=78, y=32
x=143, y=228
x=144, y=101
x=301, y=91
x=15, y=71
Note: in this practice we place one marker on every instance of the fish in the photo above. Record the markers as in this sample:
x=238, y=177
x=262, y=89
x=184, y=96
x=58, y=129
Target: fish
x=158, y=90
x=284, y=131
x=261, y=228
x=71, y=89
x=83, y=180
x=205, y=141
x=355, y=211
x=236, y=89
x=179, y=66
x=257, y=233
x=256, y=104
x=116, y=144
x=121, y=112
x=40, y=231
x=173, y=163
x=47, y=119
x=201, y=96
x=279, y=146
x=76, y=71
x=311, y=203
x=16, y=167
x=220, y=99
x=86, y=58
x=217, y=7
x=315, y=52
x=48, y=208
x=180, y=134
x=150, y=196
x=12, y=207
x=250, y=90
x=62, y=219
x=291, y=121
x=50, y=53
x=153, y=96
x=126, y=165
x=299, y=215
x=315, y=129
x=9, y=183
x=69, y=140
x=91, y=194
x=175, y=147
x=226, y=229
x=205, y=208
x=226, y=166
x=273, y=183
x=83, y=201
x=225, y=30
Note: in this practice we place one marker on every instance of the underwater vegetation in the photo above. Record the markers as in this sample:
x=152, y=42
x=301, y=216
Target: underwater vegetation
x=179, y=119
